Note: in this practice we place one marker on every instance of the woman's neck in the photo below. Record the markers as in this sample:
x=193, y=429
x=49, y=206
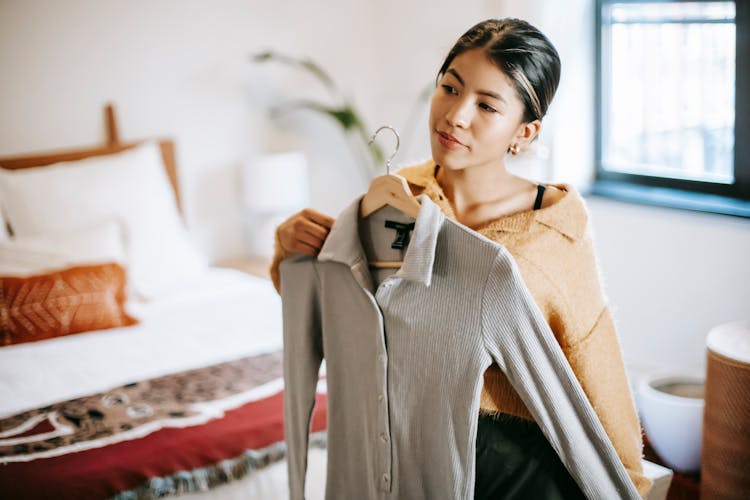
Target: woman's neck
x=469, y=189
x=482, y=194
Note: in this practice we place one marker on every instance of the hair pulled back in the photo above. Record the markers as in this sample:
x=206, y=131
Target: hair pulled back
x=523, y=53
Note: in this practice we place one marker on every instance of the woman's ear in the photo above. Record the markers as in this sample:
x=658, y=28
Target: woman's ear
x=527, y=132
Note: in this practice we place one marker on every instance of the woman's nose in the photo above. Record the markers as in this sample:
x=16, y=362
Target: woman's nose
x=459, y=114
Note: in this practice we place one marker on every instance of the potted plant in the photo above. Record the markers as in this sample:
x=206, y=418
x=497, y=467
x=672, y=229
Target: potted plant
x=342, y=111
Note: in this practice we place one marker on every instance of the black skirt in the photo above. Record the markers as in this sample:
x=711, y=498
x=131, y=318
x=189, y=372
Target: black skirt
x=515, y=461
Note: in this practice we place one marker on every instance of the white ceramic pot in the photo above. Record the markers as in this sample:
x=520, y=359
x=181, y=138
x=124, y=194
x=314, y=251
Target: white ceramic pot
x=671, y=409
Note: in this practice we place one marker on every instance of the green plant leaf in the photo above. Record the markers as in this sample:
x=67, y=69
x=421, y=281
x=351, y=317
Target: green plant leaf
x=346, y=116
x=262, y=56
x=316, y=70
x=306, y=64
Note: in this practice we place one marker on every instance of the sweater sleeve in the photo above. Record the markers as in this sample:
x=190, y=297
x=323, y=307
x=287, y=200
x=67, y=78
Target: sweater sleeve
x=303, y=354
x=279, y=254
x=597, y=362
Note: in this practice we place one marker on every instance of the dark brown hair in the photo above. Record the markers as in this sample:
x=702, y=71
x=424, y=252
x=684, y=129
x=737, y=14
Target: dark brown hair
x=523, y=53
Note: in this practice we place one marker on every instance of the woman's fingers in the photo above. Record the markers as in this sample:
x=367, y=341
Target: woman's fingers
x=309, y=239
x=301, y=247
x=305, y=232
x=304, y=226
x=317, y=217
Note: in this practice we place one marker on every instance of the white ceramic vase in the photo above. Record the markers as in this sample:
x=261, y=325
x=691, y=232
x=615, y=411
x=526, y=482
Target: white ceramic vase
x=671, y=409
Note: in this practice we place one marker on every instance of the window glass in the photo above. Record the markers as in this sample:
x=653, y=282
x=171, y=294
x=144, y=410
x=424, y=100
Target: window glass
x=668, y=89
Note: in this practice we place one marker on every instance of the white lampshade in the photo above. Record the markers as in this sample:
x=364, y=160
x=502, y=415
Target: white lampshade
x=275, y=183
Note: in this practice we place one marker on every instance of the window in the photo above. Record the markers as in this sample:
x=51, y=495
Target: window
x=673, y=99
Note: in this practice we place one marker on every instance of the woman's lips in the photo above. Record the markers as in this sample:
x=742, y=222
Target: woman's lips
x=448, y=141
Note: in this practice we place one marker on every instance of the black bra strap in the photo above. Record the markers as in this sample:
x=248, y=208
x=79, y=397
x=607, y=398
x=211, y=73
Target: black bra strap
x=539, y=195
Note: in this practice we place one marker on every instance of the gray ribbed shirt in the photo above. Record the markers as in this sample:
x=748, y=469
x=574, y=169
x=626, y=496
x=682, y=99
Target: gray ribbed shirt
x=405, y=356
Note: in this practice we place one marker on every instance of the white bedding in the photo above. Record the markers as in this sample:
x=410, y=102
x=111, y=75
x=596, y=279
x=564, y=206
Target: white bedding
x=220, y=315
x=217, y=316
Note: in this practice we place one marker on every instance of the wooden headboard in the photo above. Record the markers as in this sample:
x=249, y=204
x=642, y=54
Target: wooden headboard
x=111, y=146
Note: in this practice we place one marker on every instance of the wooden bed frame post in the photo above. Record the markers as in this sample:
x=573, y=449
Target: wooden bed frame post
x=110, y=120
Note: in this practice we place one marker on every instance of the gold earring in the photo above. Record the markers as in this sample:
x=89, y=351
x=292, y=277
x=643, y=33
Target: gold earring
x=514, y=149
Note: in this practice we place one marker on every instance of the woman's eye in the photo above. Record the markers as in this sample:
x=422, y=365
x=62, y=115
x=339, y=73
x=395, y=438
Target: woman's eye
x=487, y=107
x=450, y=90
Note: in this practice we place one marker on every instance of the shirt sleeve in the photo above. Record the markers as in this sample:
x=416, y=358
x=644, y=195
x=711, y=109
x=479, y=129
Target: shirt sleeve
x=597, y=362
x=303, y=354
x=520, y=341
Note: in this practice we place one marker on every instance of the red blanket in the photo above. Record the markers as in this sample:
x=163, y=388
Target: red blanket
x=227, y=446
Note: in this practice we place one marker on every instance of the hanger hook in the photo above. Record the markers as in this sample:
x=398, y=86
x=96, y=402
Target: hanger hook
x=398, y=144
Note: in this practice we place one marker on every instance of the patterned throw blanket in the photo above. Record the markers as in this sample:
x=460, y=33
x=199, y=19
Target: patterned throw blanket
x=208, y=416
x=135, y=410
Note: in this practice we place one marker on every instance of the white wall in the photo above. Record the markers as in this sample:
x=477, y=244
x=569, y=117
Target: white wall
x=180, y=68
x=671, y=275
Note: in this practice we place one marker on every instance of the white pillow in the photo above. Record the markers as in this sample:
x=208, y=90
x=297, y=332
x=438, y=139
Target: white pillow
x=94, y=244
x=131, y=186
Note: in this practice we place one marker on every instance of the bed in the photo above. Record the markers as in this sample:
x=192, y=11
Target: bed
x=161, y=375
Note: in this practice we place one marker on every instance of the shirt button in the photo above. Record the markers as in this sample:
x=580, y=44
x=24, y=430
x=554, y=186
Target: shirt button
x=385, y=478
x=384, y=437
x=387, y=284
x=381, y=357
x=381, y=398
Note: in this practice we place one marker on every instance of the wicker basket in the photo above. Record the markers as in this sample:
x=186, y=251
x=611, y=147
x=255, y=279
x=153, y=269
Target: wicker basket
x=725, y=462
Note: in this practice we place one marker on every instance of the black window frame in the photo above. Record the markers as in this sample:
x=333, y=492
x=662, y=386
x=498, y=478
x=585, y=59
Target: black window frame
x=731, y=199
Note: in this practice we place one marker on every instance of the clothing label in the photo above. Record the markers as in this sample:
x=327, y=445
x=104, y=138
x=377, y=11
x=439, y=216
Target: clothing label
x=402, y=233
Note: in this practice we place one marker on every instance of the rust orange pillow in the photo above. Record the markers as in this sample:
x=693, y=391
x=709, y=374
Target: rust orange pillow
x=62, y=302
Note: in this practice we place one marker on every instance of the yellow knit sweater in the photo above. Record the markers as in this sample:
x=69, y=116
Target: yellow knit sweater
x=555, y=255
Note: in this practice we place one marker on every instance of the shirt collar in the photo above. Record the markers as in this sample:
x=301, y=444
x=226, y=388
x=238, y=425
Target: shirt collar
x=343, y=244
x=567, y=216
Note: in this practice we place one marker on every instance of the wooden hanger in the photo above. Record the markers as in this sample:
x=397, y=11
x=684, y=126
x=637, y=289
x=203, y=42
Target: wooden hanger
x=390, y=189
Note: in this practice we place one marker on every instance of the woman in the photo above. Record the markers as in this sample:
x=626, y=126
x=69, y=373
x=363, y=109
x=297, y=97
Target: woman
x=493, y=90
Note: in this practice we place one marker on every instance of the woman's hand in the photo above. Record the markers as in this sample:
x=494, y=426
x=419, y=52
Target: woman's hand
x=304, y=232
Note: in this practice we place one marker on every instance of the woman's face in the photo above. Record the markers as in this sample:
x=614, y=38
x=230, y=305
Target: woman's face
x=475, y=113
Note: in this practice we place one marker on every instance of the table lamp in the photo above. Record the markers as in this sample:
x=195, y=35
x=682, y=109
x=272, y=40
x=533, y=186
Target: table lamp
x=274, y=186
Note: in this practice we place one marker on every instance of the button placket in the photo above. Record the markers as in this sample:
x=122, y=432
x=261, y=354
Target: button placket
x=384, y=291
x=383, y=442
x=382, y=439
x=382, y=450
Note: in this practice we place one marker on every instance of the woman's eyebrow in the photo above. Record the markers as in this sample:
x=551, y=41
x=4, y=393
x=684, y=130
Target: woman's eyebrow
x=488, y=93
x=458, y=77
